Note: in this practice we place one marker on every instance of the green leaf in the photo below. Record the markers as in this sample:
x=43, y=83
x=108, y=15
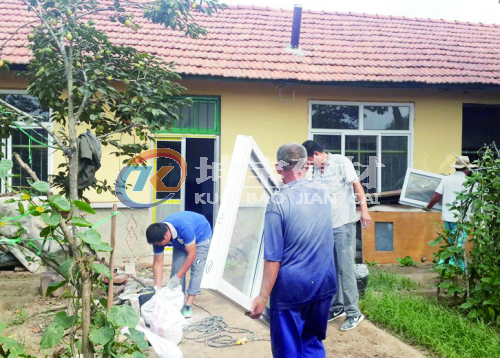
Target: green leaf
x=102, y=335
x=51, y=336
x=103, y=247
x=54, y=286
x=60, y=203
x=83, y=206
x=63, y=320
x=80, y=222
x=102, y=269
x=21, y=208
x=41, y=186
x=138, y=338
x=65, y=266
x=5, y=166
x=53, y=220
x=123, y=316
x=91, y=237
x=10, y=201
x=139, y=355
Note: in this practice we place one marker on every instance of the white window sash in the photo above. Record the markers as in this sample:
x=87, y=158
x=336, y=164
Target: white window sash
x=403, y=199
x=246, y=155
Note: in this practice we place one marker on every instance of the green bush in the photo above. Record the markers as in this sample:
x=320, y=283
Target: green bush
x=407, y=261
x=478, y=286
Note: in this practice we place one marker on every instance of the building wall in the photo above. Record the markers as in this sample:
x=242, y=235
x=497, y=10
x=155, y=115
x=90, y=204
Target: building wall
x=255, y=109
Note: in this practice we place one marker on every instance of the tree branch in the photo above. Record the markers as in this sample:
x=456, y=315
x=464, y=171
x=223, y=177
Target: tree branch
x=64, y=227
x=15, y=32
x=49, y=263
x=38, y=122
x=119, y=130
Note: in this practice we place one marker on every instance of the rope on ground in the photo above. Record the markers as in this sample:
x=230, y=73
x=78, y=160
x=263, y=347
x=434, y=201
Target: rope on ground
x=215, y=332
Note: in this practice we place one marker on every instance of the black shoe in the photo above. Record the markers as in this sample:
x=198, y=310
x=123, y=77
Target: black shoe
x=334, y=314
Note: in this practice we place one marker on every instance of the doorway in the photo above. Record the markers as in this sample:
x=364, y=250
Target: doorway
x=200, y=190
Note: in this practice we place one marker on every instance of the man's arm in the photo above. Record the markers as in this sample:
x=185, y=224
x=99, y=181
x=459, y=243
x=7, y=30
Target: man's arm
x=188, y=262
x=158, y=269
x=434, y=200
x=366, y=219
x=271, y=270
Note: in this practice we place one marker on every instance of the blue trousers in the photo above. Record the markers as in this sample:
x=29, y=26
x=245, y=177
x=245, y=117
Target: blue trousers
x=299, y=332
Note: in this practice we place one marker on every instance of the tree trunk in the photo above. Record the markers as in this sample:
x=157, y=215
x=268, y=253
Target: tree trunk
x=87, y=348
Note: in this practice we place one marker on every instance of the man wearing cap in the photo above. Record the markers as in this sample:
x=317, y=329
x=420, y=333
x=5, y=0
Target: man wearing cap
x=189, y=233
x=448, y=190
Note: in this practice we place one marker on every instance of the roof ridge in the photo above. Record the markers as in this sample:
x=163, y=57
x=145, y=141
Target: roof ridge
x=364, y=15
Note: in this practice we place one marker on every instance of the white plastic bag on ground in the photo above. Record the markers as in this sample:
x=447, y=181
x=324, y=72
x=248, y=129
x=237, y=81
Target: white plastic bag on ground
x=360, y=271
x=174, y=296
x=162, y=347
x=167, y=320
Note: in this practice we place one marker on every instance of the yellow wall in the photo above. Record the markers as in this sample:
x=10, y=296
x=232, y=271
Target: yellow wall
x=255, y=109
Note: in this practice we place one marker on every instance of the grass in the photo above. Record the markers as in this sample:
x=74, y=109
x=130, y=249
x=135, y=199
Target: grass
x=424, y=322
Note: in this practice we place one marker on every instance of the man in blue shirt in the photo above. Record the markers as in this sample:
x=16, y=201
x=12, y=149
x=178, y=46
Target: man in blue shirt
x=299, y=271
x=189, y=233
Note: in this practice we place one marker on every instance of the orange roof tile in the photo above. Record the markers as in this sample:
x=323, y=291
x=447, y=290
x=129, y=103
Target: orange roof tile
x=251, y=43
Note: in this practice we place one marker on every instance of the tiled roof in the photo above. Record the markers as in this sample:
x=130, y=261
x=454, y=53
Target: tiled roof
x=250, y=43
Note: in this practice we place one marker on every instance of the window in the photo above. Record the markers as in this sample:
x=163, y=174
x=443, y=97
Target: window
x=201, y=117
x=480, y=126
x=235, y=262
x=376, y=137
x=418, y=188
x=384, y=237
x=32, y=153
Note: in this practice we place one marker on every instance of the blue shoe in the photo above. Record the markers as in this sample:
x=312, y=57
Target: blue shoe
x=187, y=311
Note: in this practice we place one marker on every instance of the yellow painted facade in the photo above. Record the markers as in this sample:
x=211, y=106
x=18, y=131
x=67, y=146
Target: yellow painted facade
x=255, y=109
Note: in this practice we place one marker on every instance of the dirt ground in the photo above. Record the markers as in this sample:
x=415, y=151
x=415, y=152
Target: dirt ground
x=25, y=313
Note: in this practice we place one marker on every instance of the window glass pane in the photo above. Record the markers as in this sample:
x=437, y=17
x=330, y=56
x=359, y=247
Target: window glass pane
x=330, y=143
x=480, y=126
x=173, y=178
x=243, y=252
x=335, y=116
x=384, y=237
x=386, y=118
x=26, y=103
x=421, y=187
x=362, y=150
x=37, y=160
x=185, y=117
x=394, y=161
x=202, y=115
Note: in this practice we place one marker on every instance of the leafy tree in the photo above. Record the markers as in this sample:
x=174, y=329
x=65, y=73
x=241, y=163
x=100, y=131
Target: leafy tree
x=88, y=81
x=477, y=288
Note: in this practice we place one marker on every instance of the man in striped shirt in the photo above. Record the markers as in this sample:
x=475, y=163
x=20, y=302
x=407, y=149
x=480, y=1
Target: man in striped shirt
x=340, y=180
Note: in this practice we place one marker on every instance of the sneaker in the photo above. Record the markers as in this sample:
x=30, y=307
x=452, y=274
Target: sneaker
x=187, y=311
x=334, y=314
x=351, y=322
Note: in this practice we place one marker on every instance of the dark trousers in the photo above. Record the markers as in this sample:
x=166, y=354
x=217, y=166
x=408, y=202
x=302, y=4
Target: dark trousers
x=299, y=332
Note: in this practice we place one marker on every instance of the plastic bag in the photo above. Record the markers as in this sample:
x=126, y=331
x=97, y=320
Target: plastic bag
x=360, y=270
x=174, y=296
x=167, y=320
x=162, y=347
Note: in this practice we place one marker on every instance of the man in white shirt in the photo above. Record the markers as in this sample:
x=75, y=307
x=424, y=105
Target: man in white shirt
x=448, y=189
x=339, y=178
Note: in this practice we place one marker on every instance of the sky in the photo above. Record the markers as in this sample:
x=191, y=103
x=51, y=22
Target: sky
x=485, y=11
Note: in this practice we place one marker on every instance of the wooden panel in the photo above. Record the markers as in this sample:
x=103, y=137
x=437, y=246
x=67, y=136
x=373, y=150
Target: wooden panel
x=412, y=233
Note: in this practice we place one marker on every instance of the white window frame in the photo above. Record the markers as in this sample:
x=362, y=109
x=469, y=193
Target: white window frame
x=407, y=201
x=246, y=156
x=8, y=142
x=367, y=132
